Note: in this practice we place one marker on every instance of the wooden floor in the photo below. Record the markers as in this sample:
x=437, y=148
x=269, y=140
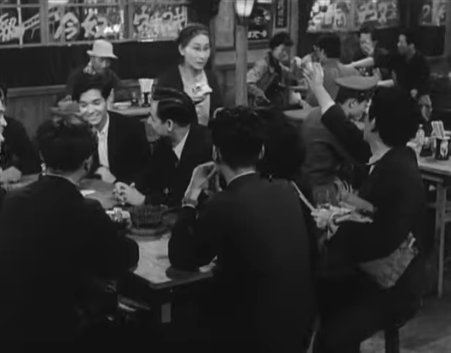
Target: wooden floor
x=430, y=332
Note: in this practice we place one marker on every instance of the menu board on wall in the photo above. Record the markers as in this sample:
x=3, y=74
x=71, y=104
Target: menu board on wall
x=382, y=13
x=336, y=17
x=260, y=21
x=433, y=13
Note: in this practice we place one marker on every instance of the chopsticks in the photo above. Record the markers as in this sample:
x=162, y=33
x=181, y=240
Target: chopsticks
x=302, y=197
x=438, y=129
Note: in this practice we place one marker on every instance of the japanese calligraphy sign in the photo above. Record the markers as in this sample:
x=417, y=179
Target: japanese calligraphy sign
x=159, y=21
x=383, y=13
x=433, y=13
x=336, y=17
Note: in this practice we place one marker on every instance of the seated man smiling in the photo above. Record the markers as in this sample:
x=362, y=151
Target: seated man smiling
x=123, y=150
x=183, y=144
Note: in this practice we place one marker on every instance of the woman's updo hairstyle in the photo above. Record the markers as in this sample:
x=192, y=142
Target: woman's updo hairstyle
x=191, y=31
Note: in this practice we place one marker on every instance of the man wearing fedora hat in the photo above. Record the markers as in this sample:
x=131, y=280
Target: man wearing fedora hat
x=100, y=55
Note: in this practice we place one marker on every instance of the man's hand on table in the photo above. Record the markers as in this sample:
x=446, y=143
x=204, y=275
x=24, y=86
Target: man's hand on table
x=10, y=175
x=105, y=175
x=128, y=194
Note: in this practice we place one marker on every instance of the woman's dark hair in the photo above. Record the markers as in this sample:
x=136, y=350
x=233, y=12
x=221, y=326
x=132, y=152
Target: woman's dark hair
x=174, y=105
x=279, y=39
x=191, y=31
x=397, y=116
x=66, y=142
x=331, y=45
x=86, y=82
x=239, y=134
x=284, y=148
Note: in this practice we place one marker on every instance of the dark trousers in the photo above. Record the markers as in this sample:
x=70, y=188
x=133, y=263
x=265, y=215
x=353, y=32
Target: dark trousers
x=352, y=310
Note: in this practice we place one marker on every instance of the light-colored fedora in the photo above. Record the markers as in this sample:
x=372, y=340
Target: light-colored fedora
x=102, y=49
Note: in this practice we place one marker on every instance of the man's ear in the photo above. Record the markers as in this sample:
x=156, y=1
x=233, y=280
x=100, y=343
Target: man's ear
x=87, y=164
x=170, y=124
x=372, y=123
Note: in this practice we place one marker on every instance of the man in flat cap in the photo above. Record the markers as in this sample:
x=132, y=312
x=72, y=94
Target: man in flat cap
x=329, y=160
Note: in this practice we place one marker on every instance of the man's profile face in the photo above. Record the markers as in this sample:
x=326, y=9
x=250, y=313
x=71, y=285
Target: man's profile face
x=357, y=109
x=161, y=128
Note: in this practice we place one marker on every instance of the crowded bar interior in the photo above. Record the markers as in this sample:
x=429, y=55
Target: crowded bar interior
x=208, y=174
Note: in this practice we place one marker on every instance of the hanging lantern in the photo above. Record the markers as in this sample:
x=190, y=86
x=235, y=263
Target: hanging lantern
x=243, y=9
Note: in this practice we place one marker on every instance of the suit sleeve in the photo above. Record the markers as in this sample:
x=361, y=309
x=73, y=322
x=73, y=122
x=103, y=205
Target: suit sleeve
x=108, y=252
x=142, y=150
x=347, y=133
x=27, y=160
x=193, y=240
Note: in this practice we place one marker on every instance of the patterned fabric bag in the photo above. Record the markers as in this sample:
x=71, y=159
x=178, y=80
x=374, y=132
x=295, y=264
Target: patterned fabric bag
x=387, y=271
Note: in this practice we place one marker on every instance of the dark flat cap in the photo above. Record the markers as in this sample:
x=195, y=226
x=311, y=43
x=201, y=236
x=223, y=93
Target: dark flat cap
x=357, y=83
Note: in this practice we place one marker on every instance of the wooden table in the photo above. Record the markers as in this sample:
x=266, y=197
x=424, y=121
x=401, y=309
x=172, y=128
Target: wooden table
x=154, y=270
x=438, y=173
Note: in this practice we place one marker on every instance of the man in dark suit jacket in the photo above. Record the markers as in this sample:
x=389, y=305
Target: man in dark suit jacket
x=182, y=146
x=54, y=243
x=17, y=154
x=264, y=291
x=123, y=150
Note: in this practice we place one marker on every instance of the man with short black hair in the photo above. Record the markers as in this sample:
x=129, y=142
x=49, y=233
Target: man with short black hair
x=17, y=154
x=54, y=243
x=123, y=150
x=411, y=69
x=183, y=144
x=263, y=292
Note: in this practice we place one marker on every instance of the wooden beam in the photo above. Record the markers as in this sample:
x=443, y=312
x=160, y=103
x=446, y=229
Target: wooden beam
x=241, y=64
x=448, y=31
